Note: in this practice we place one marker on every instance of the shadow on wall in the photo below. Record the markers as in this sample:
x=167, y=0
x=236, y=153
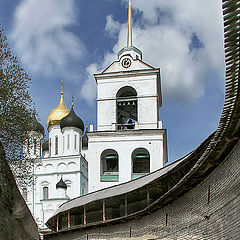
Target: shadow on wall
x=16, y=221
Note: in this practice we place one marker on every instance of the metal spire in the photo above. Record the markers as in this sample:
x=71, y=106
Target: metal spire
x=129, y=35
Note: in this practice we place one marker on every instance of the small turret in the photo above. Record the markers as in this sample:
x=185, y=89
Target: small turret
x=61, y=187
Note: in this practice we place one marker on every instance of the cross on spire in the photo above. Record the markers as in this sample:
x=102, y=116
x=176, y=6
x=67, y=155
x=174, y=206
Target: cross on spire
x=129, y=35
x=72, y=101
x=62, y=87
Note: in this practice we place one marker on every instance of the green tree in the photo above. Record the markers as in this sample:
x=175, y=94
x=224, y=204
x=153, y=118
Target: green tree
x=15, y=109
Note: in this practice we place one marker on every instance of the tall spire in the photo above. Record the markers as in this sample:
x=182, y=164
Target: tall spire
x=129, y=35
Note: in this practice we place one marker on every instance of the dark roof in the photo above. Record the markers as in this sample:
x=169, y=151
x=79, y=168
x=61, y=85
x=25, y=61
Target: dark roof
x=61, y=184
x=36, y=126
x=72, y=120
x=45, y=146
x=85, y=141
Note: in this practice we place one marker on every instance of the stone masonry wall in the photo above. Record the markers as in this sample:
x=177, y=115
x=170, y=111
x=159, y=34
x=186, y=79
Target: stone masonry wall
x=16, y=221
x=209, y=211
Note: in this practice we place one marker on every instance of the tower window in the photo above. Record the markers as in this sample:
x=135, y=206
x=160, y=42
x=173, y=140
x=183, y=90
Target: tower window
x=34, y=146
x=50, y=146
x=140, y=161
x=68, y=141
x=63, y=142
x=56, y=145
x=45, y=193
x=126, y=108
x=109, y=165
x=75, y=142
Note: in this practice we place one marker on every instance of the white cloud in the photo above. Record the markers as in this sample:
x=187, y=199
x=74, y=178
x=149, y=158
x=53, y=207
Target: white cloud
x=41, y=37
x=112, y=27
x=164, y=34
x=88, y=89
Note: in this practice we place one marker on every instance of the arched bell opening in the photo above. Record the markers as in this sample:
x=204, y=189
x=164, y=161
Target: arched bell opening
x=109, y=166
x=126, y=108
x=140, y=162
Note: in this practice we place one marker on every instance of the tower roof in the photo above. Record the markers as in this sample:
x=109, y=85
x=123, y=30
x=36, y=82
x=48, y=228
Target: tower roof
x=72, y=120
x=56, y=115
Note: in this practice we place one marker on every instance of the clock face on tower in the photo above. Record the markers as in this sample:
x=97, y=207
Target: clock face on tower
x=126, y=62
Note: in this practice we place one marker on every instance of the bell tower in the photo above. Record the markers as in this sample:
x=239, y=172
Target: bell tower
x=129, y=141
x=129, y=91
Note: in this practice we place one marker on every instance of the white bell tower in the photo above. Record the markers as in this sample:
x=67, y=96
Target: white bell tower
x=129, y=141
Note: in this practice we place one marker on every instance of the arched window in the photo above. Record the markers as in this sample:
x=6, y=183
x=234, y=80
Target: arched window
x=56, y=145
x=68, y=141
x=126, y=108
x=45, y=193
x=34, y=146
x=50, y=146
x=75, y=141
x=109, y=165
x=140, y=162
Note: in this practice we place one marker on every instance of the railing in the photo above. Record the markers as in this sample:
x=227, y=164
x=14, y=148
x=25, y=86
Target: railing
x=125, y=127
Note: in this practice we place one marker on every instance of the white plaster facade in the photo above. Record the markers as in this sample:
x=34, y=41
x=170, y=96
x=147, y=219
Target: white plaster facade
x=43, y=198
x=147, y=133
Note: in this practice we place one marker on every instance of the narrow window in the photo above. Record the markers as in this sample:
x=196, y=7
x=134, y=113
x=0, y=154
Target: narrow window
x=50, y=146
x=56, y=145
x=34, y=146
x=68, y=141
x=75, y=142
x=109, y=165
x=63, y=142
x=45, y=193
x=24, y=194
x=126, y=108
x=140, y=161
x=28, y=145
x=166, y=219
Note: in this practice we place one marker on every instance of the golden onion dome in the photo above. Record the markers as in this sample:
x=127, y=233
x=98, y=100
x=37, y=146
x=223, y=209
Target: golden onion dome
x=55, y=116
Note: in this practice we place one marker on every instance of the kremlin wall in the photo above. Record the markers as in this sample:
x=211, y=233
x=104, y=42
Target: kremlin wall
x=194, y=198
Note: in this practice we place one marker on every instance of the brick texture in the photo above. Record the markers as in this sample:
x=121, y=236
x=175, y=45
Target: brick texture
x=209, y=211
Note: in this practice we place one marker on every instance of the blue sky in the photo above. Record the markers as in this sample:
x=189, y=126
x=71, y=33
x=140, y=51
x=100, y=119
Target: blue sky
x=70, y=40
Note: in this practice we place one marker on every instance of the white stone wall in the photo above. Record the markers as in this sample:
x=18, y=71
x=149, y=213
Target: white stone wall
x=148, y=98
x=124, y=145
x=64, y=148
x=48, y=172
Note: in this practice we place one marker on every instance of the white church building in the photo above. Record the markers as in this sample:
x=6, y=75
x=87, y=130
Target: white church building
x=128, y=142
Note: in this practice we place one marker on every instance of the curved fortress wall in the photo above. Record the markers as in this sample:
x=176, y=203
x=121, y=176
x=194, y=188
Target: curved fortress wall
x=211, y=210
